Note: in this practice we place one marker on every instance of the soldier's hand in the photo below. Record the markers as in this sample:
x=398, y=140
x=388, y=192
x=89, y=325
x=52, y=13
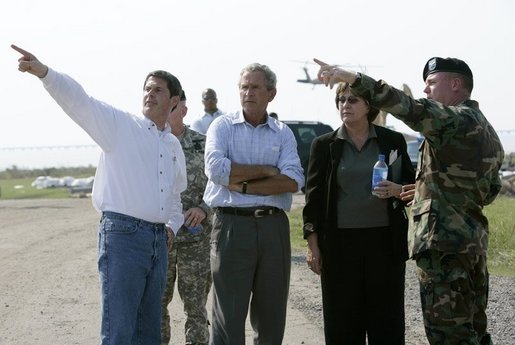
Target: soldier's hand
x=332, y=74
x=29, y=63
x=194, y=216
x=408, y=193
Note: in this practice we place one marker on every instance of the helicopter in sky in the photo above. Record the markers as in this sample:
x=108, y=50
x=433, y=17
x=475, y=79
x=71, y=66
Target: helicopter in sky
x=308, y=79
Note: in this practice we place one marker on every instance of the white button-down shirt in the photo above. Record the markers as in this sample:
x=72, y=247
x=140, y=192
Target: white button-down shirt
x=202, y=123
x=141, y=171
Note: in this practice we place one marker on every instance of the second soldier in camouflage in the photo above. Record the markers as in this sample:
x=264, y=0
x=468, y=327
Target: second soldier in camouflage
x=188, y=262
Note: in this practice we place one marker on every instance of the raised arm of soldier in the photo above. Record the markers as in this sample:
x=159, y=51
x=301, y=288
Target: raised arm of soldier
x=29, y=63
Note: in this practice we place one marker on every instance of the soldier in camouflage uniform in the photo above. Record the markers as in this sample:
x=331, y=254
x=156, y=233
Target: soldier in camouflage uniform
x=457, y=175
x=189, y=256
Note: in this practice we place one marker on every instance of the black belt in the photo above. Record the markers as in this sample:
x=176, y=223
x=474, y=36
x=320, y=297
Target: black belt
x=258, y=212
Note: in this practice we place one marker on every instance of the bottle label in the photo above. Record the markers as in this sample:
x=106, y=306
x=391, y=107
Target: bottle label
x=195, y=229
x=378, y=176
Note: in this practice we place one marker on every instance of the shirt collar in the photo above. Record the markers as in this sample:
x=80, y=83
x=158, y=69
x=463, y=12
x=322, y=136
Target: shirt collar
x=213, y=115
x=152, y=126
x=342, y=133
x=149, y=123
x=239, y=118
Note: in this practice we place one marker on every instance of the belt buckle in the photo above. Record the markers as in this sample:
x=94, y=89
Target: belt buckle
x=259, y=213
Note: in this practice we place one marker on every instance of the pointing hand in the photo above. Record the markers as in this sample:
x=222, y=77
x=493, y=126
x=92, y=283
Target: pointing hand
x=29, y=63
x=332, y=74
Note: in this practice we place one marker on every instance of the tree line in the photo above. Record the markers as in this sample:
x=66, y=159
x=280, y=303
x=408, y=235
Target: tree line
x=16, y=173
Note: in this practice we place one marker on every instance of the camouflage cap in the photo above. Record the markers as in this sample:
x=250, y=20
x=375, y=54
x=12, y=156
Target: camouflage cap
x=438, y=64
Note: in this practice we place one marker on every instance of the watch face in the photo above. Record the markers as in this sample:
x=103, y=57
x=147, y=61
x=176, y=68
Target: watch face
x=308, y=227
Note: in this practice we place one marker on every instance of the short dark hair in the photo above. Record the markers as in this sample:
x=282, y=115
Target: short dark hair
x=182, y=99
x=466, y=81
x=372, y=111
x=173, y=84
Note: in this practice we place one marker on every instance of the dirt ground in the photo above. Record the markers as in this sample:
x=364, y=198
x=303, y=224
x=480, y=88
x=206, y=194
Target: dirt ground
x=49, y=290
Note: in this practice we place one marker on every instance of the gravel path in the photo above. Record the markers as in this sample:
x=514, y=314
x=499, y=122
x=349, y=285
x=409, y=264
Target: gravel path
x=305, y=296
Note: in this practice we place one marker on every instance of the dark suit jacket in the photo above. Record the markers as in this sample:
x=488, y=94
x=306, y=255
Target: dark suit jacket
x=319, y=213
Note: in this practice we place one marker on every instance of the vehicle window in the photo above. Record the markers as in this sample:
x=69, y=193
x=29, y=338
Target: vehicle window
x=307, y=135
x=413, y=148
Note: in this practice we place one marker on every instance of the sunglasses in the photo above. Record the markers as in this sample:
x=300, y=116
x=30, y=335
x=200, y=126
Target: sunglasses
x=350, y=99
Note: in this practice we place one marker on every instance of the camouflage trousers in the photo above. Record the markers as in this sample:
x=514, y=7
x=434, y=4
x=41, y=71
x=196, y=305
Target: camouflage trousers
x=454, y=295
x=188, y=263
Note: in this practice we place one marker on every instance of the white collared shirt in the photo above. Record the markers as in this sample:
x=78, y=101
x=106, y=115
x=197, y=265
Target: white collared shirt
x=202, y=123
x=141, y=171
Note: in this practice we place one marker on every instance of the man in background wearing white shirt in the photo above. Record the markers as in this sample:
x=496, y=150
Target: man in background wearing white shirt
x=138, y=182
x=211, y=112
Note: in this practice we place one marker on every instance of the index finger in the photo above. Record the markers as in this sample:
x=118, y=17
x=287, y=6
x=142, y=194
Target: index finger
x=21, y=51
x=320, y=62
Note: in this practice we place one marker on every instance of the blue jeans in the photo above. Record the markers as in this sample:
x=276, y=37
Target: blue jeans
x=132, y=263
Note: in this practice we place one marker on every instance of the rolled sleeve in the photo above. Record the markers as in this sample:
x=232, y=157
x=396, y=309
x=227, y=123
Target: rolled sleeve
x=217, y=165
x=176, y=216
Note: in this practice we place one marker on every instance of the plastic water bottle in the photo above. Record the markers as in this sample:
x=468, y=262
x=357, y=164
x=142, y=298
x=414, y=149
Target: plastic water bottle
x=380, y=173
x=195, y=229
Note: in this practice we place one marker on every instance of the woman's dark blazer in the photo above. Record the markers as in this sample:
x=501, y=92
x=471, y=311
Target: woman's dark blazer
x=319, y=213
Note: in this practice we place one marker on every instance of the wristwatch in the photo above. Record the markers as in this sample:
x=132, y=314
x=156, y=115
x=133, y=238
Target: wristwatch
x=308, y=229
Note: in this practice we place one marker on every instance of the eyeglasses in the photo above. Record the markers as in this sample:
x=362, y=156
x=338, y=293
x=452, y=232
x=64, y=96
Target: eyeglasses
x=209, y=99
x=350, y=99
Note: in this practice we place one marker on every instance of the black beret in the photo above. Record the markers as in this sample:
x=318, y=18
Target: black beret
x=438, y=64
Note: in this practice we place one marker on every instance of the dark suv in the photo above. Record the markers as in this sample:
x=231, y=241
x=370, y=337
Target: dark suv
x=305, y=132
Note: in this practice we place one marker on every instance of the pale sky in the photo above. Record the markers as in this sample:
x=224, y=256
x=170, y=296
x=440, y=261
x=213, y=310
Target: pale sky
x=110, y=45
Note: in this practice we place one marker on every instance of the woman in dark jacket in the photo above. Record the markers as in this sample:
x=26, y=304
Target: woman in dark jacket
x=357, y=242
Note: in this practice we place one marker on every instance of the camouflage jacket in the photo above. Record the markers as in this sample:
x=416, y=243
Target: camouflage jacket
x=193, y=144
x=457, y=173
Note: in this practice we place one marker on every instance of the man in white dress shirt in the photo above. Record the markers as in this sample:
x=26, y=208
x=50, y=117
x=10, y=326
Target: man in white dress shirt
x=138, y=182
x=211, y=112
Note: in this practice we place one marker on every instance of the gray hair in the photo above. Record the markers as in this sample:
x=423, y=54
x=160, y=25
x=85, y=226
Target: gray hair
x=270, y=77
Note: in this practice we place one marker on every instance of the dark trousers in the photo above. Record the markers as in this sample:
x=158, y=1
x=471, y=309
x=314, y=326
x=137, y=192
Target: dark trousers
x=362, y=288
x=250, y=264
